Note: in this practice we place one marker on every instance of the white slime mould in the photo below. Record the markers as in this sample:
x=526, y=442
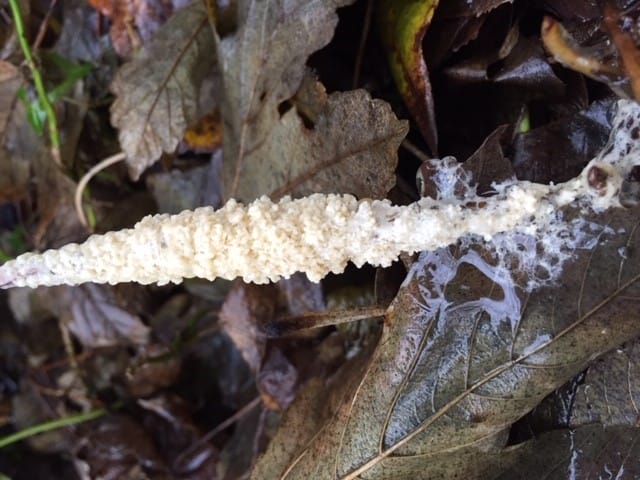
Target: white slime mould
x=318, y=234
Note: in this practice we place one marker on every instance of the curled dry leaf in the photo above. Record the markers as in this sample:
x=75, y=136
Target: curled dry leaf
x=158, y=92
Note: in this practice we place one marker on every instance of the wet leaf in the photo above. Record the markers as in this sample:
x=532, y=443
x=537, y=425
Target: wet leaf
x=591, y=452
x=351, y=146
x=560, y=149
x=466, y=352
x=403, y=26
x=158, y=92
x=610, y=392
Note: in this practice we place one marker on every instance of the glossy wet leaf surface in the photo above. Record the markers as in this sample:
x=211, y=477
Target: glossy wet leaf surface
x=466, y=352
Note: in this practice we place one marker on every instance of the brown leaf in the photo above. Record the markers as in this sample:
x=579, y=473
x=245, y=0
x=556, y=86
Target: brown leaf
x=351, y=149
x=158, y=92
x=466, y=352
x=94, y=317
x=351, y=146
x=591, y=452
x=610, y=392
x=14, y=160
x=559, y=150
x=245, y=308
x=277, y=381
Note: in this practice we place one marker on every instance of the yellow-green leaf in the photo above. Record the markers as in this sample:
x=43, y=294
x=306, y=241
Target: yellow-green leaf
x=403, y=24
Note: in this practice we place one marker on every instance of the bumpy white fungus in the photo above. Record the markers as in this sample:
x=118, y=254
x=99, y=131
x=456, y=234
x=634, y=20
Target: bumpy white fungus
x=265, y=241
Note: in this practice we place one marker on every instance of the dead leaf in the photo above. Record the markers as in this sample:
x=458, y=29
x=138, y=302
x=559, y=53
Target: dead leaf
x=133, y=22
x=250, y=433
x=168, y=420
x=559, y=150
x=94, y=317
x=205, y=136
x=14, y=169
x=301, y=295
x=351, y=147
x=277, y=381
x=158, y=92
x=403, y=26
x=594, y=62
x=610, y=392
x=245, y=308
x=590, y=452
x=614, y=22
x=10, y=81
x=465, y=353
x=470, y=8
x=179, y=190
x=116, y=446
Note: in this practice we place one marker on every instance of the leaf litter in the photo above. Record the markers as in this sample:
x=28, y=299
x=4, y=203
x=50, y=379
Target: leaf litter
x=476, y=337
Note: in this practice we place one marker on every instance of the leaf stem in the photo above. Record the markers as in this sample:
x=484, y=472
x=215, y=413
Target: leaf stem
x=52, y=123
x=51, y=425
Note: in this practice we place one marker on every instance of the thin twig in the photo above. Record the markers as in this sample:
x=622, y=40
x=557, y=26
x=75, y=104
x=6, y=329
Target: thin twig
x=363, y=41
x=419, y=154
x=43, y=98
x=77, y=199
x=43, y=25
x=217, y=429
x=288, y=325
